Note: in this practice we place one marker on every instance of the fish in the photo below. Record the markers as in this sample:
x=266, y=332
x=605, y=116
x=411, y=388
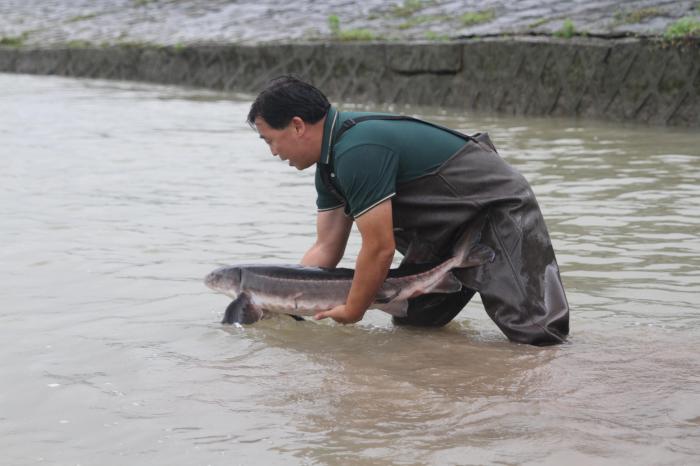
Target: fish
x=259, y=290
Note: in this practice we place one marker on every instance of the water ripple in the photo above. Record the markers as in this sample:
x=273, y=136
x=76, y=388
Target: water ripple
x=117, y=199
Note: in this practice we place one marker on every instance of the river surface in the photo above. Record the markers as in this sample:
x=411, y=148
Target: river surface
x=117, y=198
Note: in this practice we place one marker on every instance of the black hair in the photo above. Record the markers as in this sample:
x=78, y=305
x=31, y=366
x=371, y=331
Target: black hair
x=286, y=97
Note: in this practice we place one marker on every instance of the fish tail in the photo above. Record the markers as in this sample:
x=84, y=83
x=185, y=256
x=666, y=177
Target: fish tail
x=477, y=255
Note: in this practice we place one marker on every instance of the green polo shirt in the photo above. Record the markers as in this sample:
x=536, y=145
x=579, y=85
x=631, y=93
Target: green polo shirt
x=372, y=158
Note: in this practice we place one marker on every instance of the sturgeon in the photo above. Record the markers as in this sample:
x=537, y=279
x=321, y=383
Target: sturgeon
x=297, y=290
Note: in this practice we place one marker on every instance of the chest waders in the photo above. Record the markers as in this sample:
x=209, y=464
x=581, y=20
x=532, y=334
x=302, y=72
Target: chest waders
x=475, y=188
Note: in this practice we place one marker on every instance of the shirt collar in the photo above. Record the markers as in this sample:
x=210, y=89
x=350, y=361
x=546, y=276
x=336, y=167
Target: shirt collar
x=329, y=130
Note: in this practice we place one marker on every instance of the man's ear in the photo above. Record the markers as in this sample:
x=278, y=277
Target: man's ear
x=298, y=125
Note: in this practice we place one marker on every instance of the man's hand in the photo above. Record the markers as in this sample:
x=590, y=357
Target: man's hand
x=341, y=314
x=372, y=264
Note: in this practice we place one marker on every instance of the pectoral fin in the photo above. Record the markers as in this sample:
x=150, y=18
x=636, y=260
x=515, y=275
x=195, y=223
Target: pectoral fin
x=386, y=293
x=242, y=311
x=395, y=308
x=419, y=252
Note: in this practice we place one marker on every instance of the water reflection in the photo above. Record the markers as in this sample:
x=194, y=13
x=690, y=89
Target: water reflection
x=117, y=199
x=395, y=391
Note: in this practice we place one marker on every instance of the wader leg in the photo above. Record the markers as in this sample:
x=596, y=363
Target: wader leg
x=521, y=289
x=435, y=309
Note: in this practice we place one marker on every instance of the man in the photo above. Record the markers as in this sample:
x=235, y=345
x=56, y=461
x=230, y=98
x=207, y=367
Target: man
x=416, y=187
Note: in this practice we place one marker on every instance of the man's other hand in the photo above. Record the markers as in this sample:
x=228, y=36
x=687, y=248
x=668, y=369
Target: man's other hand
x=341, y=314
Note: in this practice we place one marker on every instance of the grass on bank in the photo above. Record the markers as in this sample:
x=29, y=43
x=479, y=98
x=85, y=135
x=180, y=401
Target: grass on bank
x=12, y=41
x=407, y=10
x=538, y=23
x=567, y=30
x=683, y=28
x=477, y=17
x=78, y=44
x=348, y=34
x=637, y=16
x=409, y=7
x=423, y=19
x=434, y=36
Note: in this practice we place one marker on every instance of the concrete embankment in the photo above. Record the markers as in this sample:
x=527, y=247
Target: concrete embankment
x=650, y=81
x=637, y=60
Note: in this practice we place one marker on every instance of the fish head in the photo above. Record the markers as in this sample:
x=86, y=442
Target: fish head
x=226, y=280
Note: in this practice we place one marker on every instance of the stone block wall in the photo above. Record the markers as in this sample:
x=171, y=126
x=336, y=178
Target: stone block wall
x=632, y=80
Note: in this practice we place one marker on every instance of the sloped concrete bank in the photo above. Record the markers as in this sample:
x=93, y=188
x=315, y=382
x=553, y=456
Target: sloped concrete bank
x=648, y=81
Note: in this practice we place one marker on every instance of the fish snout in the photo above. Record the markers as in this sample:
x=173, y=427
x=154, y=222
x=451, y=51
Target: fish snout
x=212, y=280
x=224, y=280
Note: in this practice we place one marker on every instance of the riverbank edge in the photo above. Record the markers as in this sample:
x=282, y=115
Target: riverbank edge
x=642, y=80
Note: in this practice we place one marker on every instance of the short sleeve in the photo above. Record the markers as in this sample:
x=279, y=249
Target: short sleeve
x=324, y=199
x=367, y=176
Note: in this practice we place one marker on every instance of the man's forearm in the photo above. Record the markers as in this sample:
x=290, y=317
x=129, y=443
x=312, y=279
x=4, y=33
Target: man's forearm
x=318, y=256
x=371, y=267
x=370, y=272
x=332, y=231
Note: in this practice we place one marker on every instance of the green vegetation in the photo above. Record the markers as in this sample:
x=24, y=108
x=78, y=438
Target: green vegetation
x=478, y=17
x=86, y=44
x=357, y=34
x=418, y=20
x=12, y=41
x=78, y=44
x=135, y=44
x=567, y=31
x=409, y=7
x=348, y=34
x=637, y=16
x=76, y=19
x=334, y=24
x=539, y=23
x=432, y=35
x=683, y=28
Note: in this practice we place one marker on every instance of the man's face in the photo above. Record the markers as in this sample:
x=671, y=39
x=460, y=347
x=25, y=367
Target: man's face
x=289, y=143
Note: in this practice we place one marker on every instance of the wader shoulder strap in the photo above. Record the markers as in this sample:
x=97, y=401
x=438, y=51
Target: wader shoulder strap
x=326, y=172
x=353, y=121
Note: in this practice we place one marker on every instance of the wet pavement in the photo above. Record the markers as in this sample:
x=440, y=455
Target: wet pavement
x=33, y=22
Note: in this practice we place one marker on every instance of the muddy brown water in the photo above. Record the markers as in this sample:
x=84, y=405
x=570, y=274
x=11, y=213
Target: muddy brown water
x=117, y=198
